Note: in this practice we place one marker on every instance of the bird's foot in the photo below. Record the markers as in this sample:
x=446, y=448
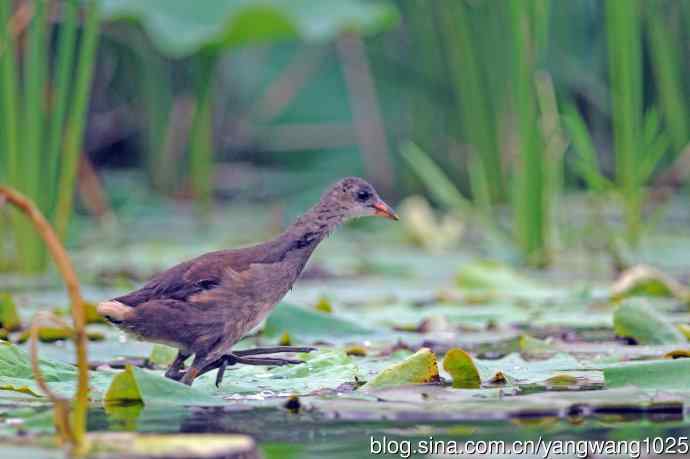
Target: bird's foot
x=272, y=350
x=175, y=374
x=242, y=357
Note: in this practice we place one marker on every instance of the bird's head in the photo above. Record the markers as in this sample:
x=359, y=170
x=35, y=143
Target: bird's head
x=354, y=197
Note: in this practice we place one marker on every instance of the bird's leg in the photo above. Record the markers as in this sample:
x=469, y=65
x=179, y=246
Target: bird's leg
x=220, y=363
x=195, y=369
x=173, y=371
x=272, y=350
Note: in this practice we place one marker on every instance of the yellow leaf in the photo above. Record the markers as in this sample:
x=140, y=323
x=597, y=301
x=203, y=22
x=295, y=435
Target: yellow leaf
x=419, y=368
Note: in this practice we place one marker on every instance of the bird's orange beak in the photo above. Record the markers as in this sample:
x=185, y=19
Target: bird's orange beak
x=384, y=210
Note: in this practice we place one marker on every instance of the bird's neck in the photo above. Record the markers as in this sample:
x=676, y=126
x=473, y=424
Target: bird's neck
x=302, y=237
x=317, y=222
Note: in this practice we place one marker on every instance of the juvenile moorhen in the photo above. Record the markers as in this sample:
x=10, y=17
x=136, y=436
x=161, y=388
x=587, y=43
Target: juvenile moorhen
x=205, y=305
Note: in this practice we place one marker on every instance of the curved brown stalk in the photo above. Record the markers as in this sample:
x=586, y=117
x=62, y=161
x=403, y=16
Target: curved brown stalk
x=61, y=259
x=60, y=405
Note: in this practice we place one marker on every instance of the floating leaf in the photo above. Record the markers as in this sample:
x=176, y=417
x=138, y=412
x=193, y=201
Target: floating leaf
x=657, y=374
x=138, y=385
x=419, y=368
x=9, y=319
x=643, y=280
x=461, y=367
x=16, y=374
x=635, y=319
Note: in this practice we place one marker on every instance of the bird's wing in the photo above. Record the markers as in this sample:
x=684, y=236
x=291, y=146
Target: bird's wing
x=206, y=272
x=181, y=281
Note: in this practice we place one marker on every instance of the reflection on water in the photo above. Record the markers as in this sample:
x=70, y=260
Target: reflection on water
x=282, y=434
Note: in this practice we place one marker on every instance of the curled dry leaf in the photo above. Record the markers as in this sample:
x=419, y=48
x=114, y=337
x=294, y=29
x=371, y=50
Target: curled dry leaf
x=643, y=280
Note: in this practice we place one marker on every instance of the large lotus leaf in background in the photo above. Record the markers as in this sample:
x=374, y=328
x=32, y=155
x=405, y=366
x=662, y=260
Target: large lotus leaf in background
x=180, y=28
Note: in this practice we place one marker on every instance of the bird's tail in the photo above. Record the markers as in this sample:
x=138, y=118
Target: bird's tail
x=114, y=311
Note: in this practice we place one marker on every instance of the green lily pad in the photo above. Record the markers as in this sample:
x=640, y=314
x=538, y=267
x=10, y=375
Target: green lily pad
x=138, y=385
x=461, y=367
x=657, y=374
x=635, y=319
x=16, y=374
x=419, y=368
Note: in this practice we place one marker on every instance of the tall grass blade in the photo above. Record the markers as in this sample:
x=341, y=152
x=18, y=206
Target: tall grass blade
x=61, y=90
x=532, y=202
x=625, y=73
x=665, y=52
x=201, y=145
x=479, y=127
x=587, y=162
x=77, y=121
x=8, y=85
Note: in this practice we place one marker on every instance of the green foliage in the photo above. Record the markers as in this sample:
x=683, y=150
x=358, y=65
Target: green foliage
x=41, y=140
x=640, y=140
x=215, y=26
x=493, y=59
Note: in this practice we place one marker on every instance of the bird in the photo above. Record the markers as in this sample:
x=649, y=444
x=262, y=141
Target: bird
x=205, y=305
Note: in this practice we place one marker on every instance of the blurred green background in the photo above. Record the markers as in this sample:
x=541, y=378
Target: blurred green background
x=522, y=118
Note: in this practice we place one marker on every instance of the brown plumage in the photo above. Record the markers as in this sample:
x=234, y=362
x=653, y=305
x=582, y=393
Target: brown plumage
x=205, y=305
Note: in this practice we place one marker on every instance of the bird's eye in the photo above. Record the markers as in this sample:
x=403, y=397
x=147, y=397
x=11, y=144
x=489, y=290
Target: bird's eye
x=363, y=195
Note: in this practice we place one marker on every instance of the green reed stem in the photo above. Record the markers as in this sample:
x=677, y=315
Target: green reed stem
x=201, y=144
x=61, y=92
x=76, y=123
x=479, y=127
x=625, y=70
x=8, y=85
x=666, y=51
x=531, y=208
